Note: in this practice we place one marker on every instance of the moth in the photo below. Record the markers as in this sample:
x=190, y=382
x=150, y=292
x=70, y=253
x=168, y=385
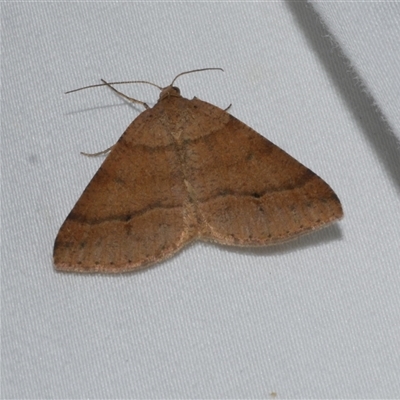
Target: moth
x=187, y=170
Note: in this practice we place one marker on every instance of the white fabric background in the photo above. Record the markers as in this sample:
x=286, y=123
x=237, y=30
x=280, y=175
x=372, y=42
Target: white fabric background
x=315, y=318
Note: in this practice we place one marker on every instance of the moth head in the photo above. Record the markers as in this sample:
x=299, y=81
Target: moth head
x=170, y=91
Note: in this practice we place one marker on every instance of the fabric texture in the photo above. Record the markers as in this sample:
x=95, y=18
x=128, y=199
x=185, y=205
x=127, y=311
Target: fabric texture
x=314, y=318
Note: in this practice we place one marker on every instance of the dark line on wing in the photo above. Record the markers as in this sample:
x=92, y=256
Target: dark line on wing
x=118, y=217
x=151, y=149
x=299, y=183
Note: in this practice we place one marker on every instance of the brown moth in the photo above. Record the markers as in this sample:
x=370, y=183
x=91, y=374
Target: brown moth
x=187, y=170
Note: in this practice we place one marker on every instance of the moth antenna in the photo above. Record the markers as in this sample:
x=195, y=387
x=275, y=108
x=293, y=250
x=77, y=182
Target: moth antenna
x=131, y=99
x=146, y=82
x=113, y=83
x=195, y=70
